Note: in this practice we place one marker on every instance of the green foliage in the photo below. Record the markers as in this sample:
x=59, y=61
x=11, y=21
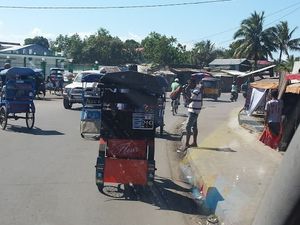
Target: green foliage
x=39, y=40
x=160, y=49
x=252, y=40
x=284, y=41
x=203, y=53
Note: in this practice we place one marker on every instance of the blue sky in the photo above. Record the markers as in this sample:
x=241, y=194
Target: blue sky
x=189, y=24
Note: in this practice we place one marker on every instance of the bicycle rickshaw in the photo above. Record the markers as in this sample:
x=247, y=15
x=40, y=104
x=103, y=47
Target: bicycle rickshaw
x=17, y=94
x=55, y=81
x=40, y=86
x=90, y=115
x=128, y=104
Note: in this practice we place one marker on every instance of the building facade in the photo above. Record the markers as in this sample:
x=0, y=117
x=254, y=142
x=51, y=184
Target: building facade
x=33, y=56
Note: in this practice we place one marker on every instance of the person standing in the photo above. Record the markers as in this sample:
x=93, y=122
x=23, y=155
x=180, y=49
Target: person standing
x=194, y=108
x=271, y=135
x=187, y=90
x=273, y=113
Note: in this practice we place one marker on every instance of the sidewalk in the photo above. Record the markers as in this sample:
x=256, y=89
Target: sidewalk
x=232, y=169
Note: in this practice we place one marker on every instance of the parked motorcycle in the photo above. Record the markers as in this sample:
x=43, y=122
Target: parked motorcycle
x=234, y=96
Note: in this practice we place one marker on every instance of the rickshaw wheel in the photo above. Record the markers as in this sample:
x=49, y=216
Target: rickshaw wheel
x=3, y=117
x=30, y=120
x=161, y=130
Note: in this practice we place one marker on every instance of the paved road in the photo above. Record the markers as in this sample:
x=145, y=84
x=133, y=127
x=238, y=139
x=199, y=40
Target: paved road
x=47, y=175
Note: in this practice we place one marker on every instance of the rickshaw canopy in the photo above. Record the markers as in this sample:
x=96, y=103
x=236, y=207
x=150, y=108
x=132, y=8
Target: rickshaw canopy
x=133, y=80
x=18, y=71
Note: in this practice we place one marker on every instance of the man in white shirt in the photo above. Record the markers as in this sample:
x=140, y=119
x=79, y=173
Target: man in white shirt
x=194, y=109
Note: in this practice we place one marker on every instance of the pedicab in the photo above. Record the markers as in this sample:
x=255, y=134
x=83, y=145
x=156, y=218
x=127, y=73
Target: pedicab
x=55, y=81
x=90, y=114
x=40, y=86
x=128, y=104
x=17, y=94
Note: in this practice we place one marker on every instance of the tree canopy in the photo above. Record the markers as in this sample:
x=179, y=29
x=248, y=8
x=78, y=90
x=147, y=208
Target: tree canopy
x=252, y=41
x=37, y=40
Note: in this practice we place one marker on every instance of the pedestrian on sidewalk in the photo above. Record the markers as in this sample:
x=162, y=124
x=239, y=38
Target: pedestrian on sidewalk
x=273, y=113
x=187, y=90
x=272, y=133
x=194, y=108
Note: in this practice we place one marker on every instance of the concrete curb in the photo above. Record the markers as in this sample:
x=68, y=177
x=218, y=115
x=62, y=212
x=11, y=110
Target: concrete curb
x=217, y=191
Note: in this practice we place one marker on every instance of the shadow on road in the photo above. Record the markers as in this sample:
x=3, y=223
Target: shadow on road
x=212, y=100
x=34, y=131
x=169, y=136
x=217, y=149
x=164, y=194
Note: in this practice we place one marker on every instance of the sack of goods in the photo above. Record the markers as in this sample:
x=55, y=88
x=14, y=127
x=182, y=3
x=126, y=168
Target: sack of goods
x=175, y=94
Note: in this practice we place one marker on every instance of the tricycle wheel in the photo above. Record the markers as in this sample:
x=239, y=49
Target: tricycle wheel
x=67, y=103
x=30, y=119
x=100, y=188
x=3, y=117
x=161, y=130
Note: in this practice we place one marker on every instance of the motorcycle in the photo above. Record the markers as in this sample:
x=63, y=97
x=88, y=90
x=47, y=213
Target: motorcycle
x=234, y=96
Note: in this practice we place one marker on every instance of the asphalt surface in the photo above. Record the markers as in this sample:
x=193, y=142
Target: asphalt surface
x=47, y=174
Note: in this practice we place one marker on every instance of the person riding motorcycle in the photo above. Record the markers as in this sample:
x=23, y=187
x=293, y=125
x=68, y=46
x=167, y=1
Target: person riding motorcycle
x=234, y=92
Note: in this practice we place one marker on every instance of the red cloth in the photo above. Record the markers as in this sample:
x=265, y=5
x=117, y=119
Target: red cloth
x=269, y=139
x=175, y=94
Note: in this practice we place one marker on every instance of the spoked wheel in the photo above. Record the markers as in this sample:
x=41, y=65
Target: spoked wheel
x=30, y=119
x=3, y=117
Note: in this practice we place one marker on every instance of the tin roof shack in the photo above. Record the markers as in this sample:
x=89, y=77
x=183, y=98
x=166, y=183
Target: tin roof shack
x=231, y=64
x=184, y=74
x=168, y=75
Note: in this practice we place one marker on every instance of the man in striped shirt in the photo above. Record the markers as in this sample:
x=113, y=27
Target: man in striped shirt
x=194, y=109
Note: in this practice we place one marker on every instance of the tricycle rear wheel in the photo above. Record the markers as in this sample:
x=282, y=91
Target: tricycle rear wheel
x=3, y=117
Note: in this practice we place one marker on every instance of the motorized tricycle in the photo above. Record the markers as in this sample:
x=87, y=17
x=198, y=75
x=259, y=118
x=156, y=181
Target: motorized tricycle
x=128, y=102
x=16, y=95
x=211, y=88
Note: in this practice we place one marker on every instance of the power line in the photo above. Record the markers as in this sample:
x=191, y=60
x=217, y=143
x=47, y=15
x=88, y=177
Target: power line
x=271, y=14
x=108, y=7
x=285, y=15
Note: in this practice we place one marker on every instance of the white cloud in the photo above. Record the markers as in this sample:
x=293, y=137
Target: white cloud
x=82, y=35
x=38, y=32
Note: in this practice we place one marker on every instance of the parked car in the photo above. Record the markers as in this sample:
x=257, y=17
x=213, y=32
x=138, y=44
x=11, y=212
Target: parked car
x=72, y=93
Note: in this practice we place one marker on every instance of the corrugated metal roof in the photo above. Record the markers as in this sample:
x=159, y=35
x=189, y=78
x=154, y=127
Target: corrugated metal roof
x=227, y=62
x=16, y=48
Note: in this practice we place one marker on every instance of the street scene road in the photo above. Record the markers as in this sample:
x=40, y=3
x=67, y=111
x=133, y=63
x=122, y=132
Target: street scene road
x=47, y=175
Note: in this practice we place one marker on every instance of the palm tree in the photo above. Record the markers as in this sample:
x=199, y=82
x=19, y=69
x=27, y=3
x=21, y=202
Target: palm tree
x=284, y=39
x=253, y=41
x=203, y=53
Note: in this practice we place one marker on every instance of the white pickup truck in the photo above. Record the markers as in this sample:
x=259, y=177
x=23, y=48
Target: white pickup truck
x=72, y=93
